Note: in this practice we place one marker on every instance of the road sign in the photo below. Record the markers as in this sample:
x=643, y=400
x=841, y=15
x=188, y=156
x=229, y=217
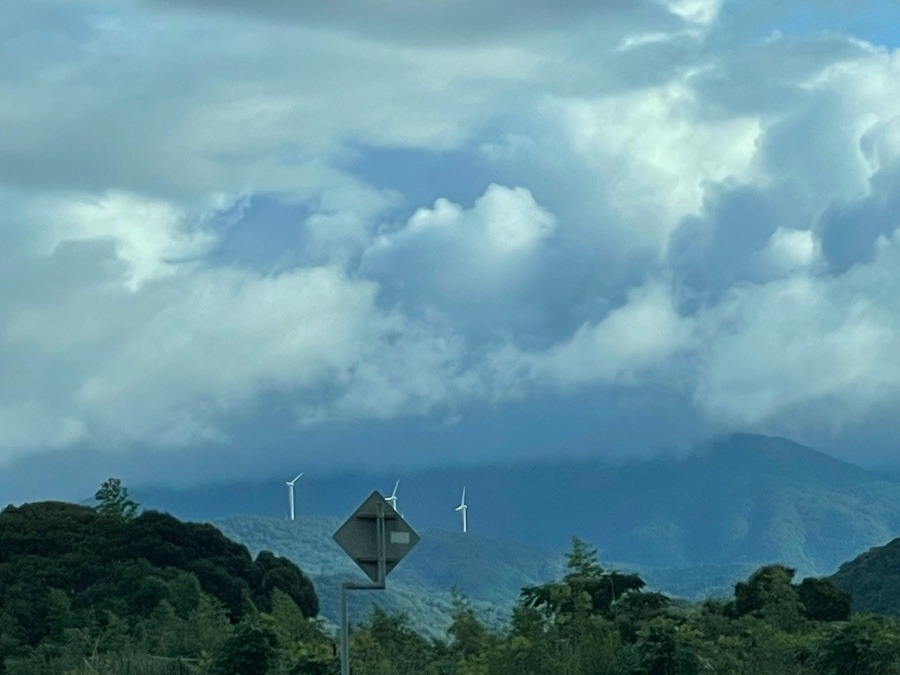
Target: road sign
x=359, y=536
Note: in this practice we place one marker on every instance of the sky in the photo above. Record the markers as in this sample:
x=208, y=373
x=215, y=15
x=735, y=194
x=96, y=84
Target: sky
x=244, y=239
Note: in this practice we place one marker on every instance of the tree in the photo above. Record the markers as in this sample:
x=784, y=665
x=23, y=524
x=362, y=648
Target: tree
x=585, y=584
x=114, y=500
x=277, y=573
x=661, y=648
x=864, y=645
x=769, y=595
x=823, y=601
x=250, y=650
x=567, y=626
x=470, y=637
x=387, y=645
x=635, y=609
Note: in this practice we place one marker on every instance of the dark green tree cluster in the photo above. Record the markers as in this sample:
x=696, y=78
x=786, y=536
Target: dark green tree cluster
x=595, y=621
x=107, y=590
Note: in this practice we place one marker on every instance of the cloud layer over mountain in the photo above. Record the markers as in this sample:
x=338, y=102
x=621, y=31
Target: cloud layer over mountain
x=390, y=213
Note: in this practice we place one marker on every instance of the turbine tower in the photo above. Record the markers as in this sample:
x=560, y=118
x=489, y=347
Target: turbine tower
x=290, y=485
x=392, y=500
x=462, y=509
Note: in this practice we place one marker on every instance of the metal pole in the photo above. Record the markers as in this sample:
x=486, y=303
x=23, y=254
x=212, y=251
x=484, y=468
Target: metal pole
x=381, y=547
x=345, y=627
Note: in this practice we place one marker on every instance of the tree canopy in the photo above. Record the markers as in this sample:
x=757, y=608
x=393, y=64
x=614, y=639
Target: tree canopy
x=114, y=501
x=71, y=576
x=81, y=591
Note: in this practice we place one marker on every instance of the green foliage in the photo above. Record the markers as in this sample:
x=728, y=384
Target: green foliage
x=769, y=594
x=584, y=588
x=770, y=626
x=251, y=650
x=277, y=573
x=635, y=609
x=79, y=587
x=149, y=595
x=386, y=645
x=302, y=643
x=664, y=647
x=823, y=601
x=865, y=645
x=471, y=641
x=114, y=500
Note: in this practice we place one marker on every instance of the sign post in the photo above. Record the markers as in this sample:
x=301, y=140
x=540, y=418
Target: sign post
x=377, y=538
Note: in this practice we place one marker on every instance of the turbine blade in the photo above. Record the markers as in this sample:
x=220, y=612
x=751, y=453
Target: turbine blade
x=396, y=485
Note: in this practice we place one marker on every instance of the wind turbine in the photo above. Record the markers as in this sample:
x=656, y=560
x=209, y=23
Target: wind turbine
x=462, y=508
x=392, y=500
x=290, y=485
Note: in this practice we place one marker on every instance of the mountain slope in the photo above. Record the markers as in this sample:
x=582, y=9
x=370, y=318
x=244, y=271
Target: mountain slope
x=741, y=500
x=489, y=572
x=873, y=579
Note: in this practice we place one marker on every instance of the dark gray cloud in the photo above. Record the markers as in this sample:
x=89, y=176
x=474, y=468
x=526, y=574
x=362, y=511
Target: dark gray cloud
x=441, y=23
x=767, y=79
x=851, y=230
x=726, y=246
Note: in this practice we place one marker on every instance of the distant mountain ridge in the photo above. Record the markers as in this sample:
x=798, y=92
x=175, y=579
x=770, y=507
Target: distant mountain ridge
x=738, y=501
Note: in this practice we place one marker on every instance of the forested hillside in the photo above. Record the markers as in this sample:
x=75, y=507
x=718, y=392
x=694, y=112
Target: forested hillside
x=109, y=591
x=873, y=579
x=81, y=586
x=489, y=572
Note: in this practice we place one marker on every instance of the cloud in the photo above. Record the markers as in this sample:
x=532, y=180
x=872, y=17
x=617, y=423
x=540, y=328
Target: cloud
x=464, y=261
x=804, y=351
x=788, y=251
x=702, y=12
x=202, y=218
x=149, y=235
x=461, y=23
x=120, y=329
x=147, y=110
x=171, y=362
x=734, y=240
x=851, y=229
x=642, y=334
x=651, y=143
x=227, y=337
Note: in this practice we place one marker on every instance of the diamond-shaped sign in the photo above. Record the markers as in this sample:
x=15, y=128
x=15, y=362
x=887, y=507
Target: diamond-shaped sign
x=358, y=536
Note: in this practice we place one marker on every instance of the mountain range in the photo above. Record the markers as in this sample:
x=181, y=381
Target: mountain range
x=691, y=525
x=739, y=501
